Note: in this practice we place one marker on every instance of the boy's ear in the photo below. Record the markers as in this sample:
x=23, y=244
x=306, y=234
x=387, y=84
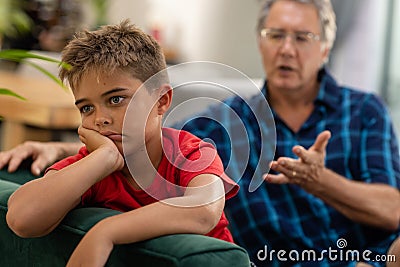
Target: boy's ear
x=165, y=99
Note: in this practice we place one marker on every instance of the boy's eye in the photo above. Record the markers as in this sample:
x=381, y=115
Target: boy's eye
x=116, y=99
x=86, y=109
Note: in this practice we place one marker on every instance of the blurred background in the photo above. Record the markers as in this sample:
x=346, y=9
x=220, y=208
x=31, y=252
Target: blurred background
x=366, y=54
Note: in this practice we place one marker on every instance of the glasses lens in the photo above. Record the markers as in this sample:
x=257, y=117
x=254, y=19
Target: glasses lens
x=301, y=40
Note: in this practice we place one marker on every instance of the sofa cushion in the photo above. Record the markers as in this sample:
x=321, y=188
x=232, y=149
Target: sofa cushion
x=54, y=249
x=21, y=176
x=6, y=189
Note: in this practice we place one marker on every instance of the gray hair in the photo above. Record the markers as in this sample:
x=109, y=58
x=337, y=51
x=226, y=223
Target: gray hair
x=327, y=18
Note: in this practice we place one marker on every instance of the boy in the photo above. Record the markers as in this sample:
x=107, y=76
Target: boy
x=108, y=68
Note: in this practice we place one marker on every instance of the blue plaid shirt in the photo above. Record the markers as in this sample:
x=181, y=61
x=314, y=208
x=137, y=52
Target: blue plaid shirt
x=363, y=147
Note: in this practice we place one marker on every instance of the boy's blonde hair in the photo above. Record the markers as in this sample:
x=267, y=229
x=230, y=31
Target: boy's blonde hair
x=112, y=48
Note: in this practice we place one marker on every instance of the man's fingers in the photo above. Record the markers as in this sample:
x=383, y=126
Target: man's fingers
x=276, y=178
x=38, y=165
x=322, y=141
x=41, y=162
x=4, y=159
x=14, y=163
x=288, y=168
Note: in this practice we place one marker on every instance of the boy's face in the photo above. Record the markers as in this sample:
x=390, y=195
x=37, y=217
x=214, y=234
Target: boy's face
x=103, y=100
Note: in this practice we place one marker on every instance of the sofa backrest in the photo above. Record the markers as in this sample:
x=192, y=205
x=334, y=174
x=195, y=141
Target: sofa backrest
x=190, y=99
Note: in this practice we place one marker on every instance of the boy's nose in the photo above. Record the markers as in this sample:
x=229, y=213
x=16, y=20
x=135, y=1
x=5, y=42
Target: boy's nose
x=102, y=119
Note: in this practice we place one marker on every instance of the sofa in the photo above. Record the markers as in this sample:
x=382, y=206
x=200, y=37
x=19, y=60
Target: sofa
x=53, y=250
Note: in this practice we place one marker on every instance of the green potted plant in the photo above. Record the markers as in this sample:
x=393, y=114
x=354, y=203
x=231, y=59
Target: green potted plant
x=15, y=21
x=22, y=56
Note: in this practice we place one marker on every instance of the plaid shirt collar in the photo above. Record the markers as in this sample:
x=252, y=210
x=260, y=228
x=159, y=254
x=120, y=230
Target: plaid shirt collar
x=326, y=94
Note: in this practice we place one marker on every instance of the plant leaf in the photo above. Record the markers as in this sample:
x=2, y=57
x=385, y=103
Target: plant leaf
x=48, y=74
x=4, y=91
x=13, y=19
x=19, y=55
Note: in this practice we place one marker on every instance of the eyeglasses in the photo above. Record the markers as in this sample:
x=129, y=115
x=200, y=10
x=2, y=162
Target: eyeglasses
x=301, y=40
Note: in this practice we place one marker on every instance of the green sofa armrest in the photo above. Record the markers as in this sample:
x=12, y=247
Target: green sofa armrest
x=54, y=249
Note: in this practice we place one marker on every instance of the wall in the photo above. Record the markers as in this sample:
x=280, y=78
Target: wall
x=222, y=30
x=359, y=57
x=394, y=67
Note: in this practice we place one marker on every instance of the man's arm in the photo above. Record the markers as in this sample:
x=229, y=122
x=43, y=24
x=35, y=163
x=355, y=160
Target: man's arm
x=42, y=153
x=369, y=203
x=373, y=204
x=198, y=211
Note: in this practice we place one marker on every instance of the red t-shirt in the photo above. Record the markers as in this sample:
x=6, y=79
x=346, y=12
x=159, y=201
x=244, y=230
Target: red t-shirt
x=184, y=157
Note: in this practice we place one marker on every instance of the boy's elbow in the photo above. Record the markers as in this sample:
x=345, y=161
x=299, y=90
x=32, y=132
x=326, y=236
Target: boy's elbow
x=205, y=224
x=18, y=226
x=209, y=217
x=21, y=225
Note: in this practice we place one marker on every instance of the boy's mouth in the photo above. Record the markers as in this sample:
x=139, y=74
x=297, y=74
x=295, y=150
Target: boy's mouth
x=113, y=136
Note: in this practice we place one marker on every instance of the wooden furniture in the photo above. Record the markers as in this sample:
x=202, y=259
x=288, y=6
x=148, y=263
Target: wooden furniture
x=47, y=107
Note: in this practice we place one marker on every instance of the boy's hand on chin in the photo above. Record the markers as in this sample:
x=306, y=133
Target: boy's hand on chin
x=94, y=140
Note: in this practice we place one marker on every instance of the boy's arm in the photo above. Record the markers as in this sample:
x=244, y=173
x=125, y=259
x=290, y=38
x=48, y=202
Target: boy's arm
x=38, y=206
x=198, y=211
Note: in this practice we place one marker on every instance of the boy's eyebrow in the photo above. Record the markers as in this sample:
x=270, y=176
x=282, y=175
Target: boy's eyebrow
x=118, y=89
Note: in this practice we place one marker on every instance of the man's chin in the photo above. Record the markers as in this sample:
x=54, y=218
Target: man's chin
x=286, y=85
